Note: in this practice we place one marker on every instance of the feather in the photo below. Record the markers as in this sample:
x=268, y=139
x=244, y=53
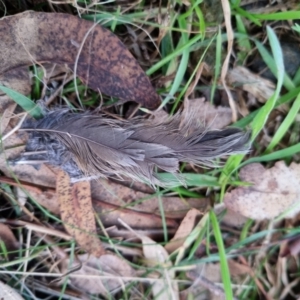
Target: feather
x=86, y=144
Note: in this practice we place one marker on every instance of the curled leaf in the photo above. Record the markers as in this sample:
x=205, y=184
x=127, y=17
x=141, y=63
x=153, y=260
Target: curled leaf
x=77, y=213
x=95, y=54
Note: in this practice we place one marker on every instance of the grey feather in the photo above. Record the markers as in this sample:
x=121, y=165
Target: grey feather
x=86, y=144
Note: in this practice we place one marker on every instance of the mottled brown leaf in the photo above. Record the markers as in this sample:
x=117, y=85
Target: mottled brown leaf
x=95, y=54
x=77, y=213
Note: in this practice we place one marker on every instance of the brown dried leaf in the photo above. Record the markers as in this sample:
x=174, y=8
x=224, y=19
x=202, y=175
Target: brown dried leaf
x=259, y=87
x=45, y=196
x=230, y=218
x=120, y=196
x=42, y=175
x=109, y=214
x=7, y=106
x=95, y=54
x=18, y=80
x=199, y=112
x=107, y=265
x=273, y=192
x=8, y=238
x=183, y=231
x=205, y=277
x=156, y=255
x=77, y=213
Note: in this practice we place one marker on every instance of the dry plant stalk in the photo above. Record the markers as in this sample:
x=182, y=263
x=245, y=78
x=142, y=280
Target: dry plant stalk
x=87, y=144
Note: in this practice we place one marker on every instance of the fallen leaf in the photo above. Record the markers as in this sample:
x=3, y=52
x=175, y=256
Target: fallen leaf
x=8, y=293
x=206, y=278
x=200, y=113
x=8, y=238
x=17, y=79
x=109, y=214
x=157, y=256
x=273, y=192
x=122, y=196
x=7, y=106
x=230, y=218
x=36, y=174
x=262, y=89
x=77, y=213
x=292, y=248
x=124, y=234
x=108, y=265
x=95, y=54
x=185, y=228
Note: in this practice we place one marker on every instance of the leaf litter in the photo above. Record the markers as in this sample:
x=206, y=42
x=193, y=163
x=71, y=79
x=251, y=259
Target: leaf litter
x=94, y=54
x=271, y=192
x=243, y=80
x=76, y=212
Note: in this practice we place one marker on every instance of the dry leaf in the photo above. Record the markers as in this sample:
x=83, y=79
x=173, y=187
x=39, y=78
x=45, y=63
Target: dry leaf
x=231, y=218
x=17, y=79
x=7, y=106
x=8, y=238
x=95, y=54
x=77, y=213
x=156, y=255
x=109, y=214
x=45, y=196
x=108, y=265
x=41, y=175
x=185, y=228
x=206, y=278
x=259, y=87
x=120, y=196
x=201, y=113
x=8, y=293
x=273, y=191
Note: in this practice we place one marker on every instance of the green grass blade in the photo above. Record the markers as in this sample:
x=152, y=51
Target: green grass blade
x=243, y=13
x=282, y=100
x=190, y=179
x=183, y=62
x=277, y=155
x=242, y=39
x=217, y=65
x=285, y=125
x=279, y=16
x=27, y=104
x=271, y=63
x=177, y=52
x=225, y=274
x=261, y=118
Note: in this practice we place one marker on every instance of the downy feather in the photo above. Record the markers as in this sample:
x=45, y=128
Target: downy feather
x=86, y=144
